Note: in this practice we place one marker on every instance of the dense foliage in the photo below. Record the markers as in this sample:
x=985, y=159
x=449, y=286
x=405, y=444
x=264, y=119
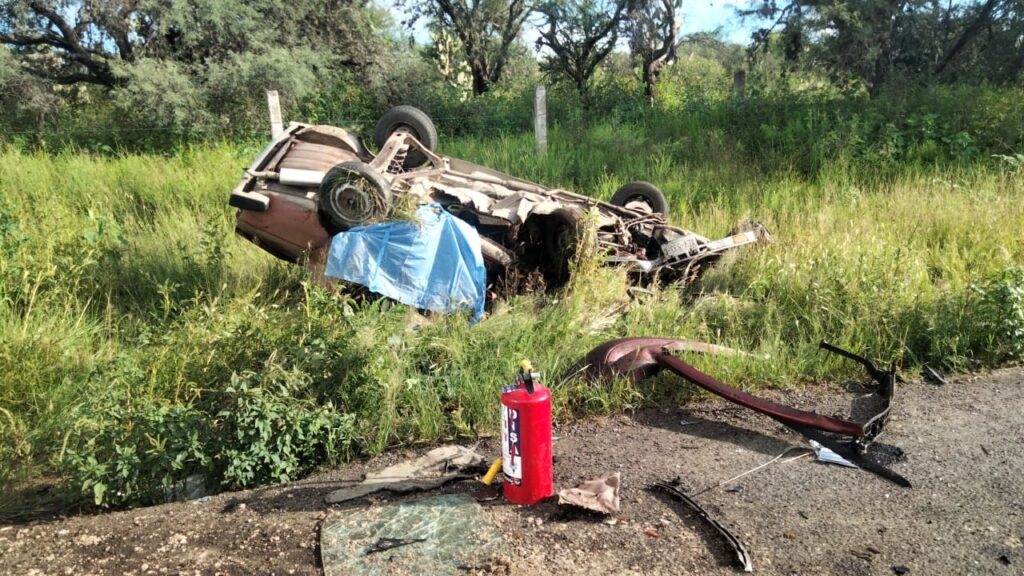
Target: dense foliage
x=873, y=42
x=179, y=66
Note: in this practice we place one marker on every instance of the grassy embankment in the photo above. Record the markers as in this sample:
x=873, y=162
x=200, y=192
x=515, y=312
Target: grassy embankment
x=141, y=341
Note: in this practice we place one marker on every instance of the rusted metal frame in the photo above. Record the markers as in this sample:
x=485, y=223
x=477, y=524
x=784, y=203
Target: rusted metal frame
x=689, y=270
x=394, y=145
x=886, y=381
x=492, y=179
x=418, y=174
x=767, y=407
x=654, y=217
x=621, y=239
x=676, y=230
x=809, y=424
x=398, y=143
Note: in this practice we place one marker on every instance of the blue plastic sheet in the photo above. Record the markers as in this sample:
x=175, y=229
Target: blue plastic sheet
x=433, y=263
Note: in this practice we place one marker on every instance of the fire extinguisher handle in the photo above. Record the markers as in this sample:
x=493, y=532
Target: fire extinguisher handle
x=526, y=375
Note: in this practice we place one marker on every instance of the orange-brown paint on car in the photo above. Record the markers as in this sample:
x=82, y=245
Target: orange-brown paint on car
x=286, y=228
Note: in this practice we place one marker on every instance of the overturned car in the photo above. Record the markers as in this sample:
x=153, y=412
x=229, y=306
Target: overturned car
x=312, y=182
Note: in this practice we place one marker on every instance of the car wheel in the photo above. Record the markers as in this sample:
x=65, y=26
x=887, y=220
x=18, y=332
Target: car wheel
x=644, y=193
x=354, y=194
x=412, y=120
x=563, y=232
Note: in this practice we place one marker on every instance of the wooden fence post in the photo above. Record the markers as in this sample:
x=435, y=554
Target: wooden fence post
x=540, y=118
x=274, y=106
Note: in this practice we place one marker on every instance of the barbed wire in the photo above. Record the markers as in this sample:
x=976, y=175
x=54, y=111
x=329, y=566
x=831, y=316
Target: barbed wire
x=214, y=127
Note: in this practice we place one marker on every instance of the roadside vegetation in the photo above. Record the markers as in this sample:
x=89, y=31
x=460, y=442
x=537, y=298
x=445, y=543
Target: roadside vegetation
x=142, y=344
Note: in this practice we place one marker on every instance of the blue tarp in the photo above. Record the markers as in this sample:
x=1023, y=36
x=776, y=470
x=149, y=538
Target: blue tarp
x=433, y=263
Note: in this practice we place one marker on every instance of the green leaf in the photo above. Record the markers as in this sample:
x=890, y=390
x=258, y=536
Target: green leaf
x=98, y=491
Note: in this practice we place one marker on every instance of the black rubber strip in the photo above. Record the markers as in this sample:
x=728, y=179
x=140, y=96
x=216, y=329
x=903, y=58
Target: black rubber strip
x=742, y=556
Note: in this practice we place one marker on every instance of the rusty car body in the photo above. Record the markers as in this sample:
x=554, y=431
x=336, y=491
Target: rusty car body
x=313, y=181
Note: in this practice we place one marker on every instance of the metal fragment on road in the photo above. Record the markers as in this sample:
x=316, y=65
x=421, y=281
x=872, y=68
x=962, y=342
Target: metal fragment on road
x=932, y=376
x=634, y=357
x=829, y=457
x=742, y=556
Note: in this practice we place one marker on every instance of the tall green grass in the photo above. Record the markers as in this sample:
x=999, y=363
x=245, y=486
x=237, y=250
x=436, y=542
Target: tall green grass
x=142, y=342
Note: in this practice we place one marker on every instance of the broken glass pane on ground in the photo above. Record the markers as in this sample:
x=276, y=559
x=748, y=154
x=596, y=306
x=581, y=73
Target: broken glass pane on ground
x=456, y=537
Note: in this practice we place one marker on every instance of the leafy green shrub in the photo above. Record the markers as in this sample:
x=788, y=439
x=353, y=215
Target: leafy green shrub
x=134, y=452
x=273, y=436
x=691, y=81
x=998, y=310
x=257, y=430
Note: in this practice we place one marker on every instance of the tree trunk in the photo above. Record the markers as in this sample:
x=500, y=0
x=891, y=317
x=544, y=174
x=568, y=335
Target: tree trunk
x=650, y=77
x=969, y=33
x=585, y=104
x=480, y=82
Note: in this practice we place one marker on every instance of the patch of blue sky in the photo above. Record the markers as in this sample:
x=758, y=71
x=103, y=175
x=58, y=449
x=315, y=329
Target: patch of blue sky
x=697, y=16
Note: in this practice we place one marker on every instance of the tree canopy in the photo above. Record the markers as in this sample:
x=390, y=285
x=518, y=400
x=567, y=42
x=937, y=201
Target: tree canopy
x=486, y=29
x=873, y=41
x=161, y=55
x=579, y=34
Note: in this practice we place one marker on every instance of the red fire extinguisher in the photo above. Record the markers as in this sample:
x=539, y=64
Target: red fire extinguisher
x=526, y=438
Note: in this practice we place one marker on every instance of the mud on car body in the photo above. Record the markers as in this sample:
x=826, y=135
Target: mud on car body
x=312, y=182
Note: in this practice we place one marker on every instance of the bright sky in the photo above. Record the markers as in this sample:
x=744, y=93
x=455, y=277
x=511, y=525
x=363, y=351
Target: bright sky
x=707, y=15
x=698, y=16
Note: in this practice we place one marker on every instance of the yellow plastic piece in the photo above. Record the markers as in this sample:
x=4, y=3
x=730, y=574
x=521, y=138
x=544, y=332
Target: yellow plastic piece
x=525, y=365
x=491, y=472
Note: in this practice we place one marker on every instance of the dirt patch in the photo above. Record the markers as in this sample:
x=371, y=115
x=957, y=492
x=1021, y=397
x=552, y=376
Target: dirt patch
x=964, y=446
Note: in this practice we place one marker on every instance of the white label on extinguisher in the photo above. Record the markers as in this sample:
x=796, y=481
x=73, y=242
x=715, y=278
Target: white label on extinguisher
x=511, y=454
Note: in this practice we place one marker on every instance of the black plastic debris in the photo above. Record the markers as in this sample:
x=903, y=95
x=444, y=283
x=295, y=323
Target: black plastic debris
x=742, y=557
x=932, y=376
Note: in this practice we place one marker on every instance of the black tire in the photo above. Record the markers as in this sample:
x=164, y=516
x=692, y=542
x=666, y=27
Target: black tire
x=563, y=232
x=354, y=194
x=644, y=191
x=412, y=119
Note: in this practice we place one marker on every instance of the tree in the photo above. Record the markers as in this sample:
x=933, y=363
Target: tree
x=989, y=40
x=874, y=40
x=186, y=62
x=82, y=39
x=73, y=41
x=653, y=28
x=580, y=34
x=487, y=30
x=24, y=99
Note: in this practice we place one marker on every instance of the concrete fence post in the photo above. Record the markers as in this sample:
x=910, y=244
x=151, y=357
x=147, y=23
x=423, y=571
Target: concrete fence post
x=540, y=118
x=274, y=107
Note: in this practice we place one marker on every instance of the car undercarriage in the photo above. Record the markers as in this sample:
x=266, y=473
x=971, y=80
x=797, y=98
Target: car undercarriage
x=312, y=182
